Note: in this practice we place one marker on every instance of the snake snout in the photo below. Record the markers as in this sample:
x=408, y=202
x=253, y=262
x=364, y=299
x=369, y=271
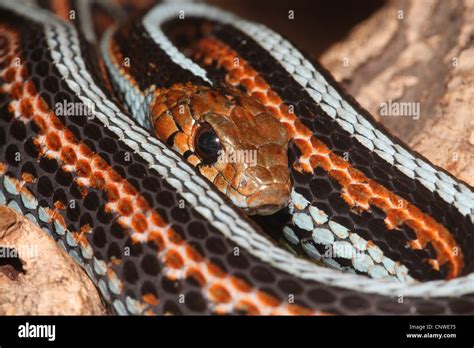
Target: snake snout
x=269, y=199
x=266, y=188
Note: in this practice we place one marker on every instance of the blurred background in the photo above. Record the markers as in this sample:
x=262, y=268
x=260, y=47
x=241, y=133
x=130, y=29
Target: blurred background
x=316, y=24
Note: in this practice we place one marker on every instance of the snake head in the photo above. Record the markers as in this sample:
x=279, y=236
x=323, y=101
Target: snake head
x=231, y=138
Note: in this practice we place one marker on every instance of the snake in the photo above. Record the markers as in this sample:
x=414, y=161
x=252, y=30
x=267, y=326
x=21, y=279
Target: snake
x=197, y=163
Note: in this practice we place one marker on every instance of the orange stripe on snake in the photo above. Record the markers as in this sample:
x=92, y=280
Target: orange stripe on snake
x=226, y=292
x=358, y=191
x=62, y=9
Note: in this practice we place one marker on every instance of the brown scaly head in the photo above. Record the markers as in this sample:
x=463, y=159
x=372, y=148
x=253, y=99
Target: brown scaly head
x=231, y=139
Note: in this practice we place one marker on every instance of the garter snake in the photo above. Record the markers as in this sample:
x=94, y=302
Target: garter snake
x=134, y=192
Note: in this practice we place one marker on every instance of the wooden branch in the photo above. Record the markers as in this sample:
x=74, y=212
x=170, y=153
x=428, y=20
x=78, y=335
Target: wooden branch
x=417, y=52
x=37, y=277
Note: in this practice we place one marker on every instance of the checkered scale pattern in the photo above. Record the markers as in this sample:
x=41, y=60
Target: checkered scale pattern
x=155, y=255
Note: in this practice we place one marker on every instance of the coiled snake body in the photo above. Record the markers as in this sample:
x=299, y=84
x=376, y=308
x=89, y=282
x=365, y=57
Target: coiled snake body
x=85, y=134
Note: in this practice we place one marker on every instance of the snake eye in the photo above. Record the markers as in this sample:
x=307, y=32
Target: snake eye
x=207, y=144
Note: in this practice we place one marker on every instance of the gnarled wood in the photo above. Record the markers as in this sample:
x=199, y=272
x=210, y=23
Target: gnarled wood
x=37, y=277
x=417, y=52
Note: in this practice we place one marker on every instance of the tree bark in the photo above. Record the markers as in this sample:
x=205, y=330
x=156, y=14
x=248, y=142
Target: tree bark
x=37, y=277
x=417, y=51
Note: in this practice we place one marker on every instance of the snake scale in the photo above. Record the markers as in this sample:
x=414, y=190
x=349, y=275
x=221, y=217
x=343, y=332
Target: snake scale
x=109, y=134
